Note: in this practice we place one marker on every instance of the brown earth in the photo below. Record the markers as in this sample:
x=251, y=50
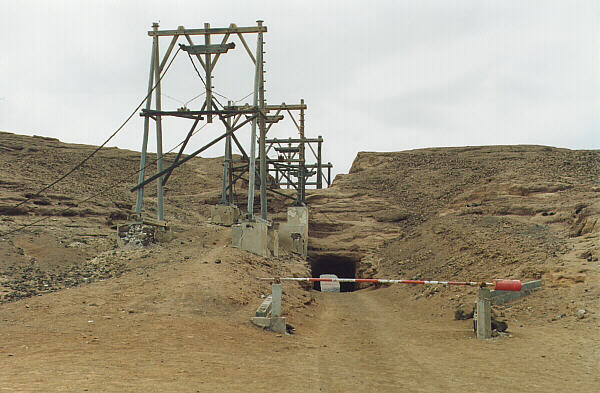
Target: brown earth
x=80, y=313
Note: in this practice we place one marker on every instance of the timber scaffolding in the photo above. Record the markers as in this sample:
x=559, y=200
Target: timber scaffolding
x=290, y=167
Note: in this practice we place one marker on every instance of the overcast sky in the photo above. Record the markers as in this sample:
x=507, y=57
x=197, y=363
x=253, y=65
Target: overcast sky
x=376, y=75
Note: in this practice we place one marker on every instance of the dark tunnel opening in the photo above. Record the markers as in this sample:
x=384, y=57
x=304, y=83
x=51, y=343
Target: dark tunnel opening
x=341, y=266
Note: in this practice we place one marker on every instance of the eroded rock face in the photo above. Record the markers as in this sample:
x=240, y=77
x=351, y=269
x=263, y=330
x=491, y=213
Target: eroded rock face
x=587, y=219
x=459, y=212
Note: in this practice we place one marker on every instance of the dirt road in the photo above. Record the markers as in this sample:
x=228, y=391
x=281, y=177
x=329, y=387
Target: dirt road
x=370, y=340
x=379, y=341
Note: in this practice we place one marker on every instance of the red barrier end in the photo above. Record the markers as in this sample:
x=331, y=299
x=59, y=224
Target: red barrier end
x=507, y=285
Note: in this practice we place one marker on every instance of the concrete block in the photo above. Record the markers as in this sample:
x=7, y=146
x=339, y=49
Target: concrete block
x=298, y=215
x=225, y=215
x=278, y=325
x=263, y=322
x=251, y=236
x=293, y=234
x=329, y=286
x=265, y=307
x=236, y=236
x=501, y=297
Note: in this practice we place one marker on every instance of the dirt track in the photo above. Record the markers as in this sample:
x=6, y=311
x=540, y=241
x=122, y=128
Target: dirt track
x=369, y=340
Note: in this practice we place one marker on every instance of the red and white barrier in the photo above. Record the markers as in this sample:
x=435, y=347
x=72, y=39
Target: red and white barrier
x=499, y=285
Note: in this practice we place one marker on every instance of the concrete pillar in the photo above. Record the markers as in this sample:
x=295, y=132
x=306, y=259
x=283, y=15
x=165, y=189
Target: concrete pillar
x=293, y=234
x=276, y=296
x=484, y=314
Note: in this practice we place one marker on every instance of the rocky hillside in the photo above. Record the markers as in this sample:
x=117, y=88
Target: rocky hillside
x=465, y=213
x=442, y=213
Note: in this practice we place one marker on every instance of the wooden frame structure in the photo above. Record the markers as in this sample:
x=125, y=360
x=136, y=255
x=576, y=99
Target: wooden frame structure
x=233, y=117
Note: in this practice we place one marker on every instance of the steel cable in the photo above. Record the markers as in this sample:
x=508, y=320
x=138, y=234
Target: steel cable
x=80, y=164
x=99, y=192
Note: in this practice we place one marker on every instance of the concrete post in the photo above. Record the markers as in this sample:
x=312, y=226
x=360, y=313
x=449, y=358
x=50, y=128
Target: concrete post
x=484, y=314
x=276, y=295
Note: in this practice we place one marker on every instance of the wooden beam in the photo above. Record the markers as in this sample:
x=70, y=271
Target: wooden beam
x=218, y=30
x=168, y=52
x=207, y=49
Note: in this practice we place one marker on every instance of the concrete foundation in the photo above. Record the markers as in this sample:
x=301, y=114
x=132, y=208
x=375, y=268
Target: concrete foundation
x=271, y=305
x=291, y=239
x=252, y=237
x=298, y=215
x=276, y=324
x=226, y=215
x=293, y=234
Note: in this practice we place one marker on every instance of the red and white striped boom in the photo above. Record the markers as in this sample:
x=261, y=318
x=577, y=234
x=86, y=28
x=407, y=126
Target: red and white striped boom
x=499, y=285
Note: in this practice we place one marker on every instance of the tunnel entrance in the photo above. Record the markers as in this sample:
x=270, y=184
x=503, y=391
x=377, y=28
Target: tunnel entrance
x=341, y=266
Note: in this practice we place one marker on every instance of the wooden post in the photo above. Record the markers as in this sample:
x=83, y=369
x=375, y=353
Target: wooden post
x=301, y=195
x=484, y=314
x=207, y=60
x=258, y=77
x=226, y=160
x=319, y=164
x=140, y=191
x=262, y=129
x=159, y=153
